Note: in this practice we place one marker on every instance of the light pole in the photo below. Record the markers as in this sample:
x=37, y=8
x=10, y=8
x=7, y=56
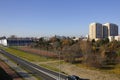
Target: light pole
x=60, y=51
x=59, y=65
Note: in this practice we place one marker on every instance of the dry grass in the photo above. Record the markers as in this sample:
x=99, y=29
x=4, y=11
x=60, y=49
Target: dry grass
x=87, y=73
x=115, y=70
x=83, y=71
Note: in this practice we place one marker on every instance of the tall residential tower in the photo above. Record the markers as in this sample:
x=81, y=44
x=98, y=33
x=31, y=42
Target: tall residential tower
x=95, y=31
x=112, y=29
x=99, y=31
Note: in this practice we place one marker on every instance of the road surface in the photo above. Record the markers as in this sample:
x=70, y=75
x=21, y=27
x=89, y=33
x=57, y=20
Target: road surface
x=35, y=69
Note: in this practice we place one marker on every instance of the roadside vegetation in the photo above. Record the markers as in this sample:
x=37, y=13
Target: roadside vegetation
x=27, y=56
x=101, y=54
x=49, y=63
x=98, y=55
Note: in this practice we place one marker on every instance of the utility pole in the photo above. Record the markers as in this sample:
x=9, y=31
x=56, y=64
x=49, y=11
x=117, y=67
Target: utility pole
x=60, y=63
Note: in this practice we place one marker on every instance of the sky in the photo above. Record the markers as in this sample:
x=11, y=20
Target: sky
x=35, y=18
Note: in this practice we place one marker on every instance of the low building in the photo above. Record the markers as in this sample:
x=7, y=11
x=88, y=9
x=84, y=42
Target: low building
x=19, y=41
x=76, y=39
x=117, y=38
x=3, y=41
x=15, y=41
x=111, y=38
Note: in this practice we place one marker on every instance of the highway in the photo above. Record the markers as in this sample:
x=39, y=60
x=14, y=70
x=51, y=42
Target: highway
x=41, y=72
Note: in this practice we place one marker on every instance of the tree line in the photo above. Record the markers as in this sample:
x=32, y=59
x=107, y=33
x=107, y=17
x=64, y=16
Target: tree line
x=93, y=53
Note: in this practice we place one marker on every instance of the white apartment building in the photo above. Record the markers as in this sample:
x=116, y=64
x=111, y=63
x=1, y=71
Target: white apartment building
x=100, y=31
x=112, y=29
x=95, y=31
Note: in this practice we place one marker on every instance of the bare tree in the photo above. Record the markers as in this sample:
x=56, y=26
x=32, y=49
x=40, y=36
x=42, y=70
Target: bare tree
x=71, y=53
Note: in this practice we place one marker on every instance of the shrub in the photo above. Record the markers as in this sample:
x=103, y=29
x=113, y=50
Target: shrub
x=71, y=53
x=94, y=60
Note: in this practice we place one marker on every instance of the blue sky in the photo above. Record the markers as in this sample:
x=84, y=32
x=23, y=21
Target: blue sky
x=55, y=17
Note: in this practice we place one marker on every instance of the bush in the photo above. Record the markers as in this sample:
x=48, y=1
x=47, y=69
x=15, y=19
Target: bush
x=94, y=60
x=71, y=53
x=109, y=57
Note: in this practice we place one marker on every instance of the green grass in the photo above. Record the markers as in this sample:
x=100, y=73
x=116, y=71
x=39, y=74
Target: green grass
x=35, y=58
x=55, y=66
x=27, y=56
x=38, y=78
x=50, y=67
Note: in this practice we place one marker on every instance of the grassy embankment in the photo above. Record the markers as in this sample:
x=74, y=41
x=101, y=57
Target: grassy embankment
x=49, y=63
x=27, y=56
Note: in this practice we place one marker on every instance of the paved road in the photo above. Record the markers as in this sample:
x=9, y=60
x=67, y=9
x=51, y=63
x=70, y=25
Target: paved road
x=35, y=69
x=23, y=73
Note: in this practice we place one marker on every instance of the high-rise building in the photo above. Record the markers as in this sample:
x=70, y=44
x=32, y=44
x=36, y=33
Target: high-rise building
x=95, y=31
x=105, y=31
x=99, y=31
x=112, y=29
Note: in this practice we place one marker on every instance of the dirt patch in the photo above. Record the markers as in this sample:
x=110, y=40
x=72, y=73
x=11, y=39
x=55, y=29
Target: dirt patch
x=87, y=74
